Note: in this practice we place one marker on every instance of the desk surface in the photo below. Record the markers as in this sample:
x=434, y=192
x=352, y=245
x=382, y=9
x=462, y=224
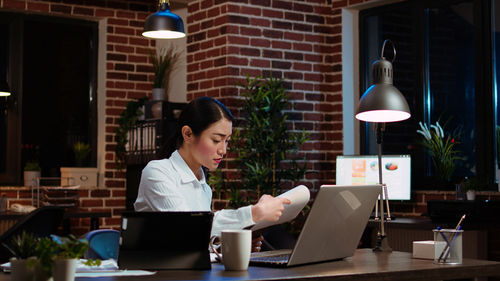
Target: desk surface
x=364, y=265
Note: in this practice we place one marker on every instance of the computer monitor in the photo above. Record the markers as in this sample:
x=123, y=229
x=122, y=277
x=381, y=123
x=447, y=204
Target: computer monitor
x=363, y=169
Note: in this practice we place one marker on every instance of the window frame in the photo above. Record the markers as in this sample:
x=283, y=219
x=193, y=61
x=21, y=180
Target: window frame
x=13, y=173
x=484, y=96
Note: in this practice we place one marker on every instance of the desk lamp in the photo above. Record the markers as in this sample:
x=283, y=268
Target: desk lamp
x=163, y=24
x=380, y=104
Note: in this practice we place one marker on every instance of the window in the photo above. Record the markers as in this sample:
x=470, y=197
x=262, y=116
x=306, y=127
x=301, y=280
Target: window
x=443, y=68
x=54, y=101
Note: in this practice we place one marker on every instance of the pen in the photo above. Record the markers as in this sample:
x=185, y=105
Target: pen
x=447, y=244
x=451, y=243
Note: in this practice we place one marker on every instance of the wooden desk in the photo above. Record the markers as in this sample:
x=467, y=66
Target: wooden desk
x=402, y=231
x=364, y=265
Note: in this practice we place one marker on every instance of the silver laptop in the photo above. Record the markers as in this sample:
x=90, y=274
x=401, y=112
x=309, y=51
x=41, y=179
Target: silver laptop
x=332, y=230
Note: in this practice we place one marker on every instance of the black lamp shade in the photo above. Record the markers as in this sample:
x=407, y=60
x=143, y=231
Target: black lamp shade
x=164, y=24
x=4, y=89
x=382, y=102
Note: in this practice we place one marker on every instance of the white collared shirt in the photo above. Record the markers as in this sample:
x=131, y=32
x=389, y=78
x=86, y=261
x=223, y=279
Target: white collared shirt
x=170, y=185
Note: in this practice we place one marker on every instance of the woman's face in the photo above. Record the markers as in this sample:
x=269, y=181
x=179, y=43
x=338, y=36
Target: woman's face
x=211, y=146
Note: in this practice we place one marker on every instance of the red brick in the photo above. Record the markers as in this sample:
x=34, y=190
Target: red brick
x=37, y=6
x=123, y=14
x=63, y=9
x=83, y=11
x=104, y=13
x=99, y=193
x=14, y=4
x=91, y=203
x=124, y=31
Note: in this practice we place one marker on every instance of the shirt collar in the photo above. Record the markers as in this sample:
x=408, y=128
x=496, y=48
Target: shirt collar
x=183, y=169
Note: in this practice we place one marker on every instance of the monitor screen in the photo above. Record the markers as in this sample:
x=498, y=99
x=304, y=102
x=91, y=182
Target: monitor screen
x=363, y=169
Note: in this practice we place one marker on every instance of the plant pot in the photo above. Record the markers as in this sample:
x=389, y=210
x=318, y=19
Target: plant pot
x=471, y=195
x=82, y=176
x=64, y=269
x=158, y=94
x=30, y=178
x=40, y=274
x=20, y=271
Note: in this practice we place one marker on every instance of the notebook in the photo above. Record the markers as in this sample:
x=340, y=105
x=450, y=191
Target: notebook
x=332, y=229
x=165, y=240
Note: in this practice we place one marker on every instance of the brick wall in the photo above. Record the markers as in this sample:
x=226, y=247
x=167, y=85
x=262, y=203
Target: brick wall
x=90, y=199
x=299, y=41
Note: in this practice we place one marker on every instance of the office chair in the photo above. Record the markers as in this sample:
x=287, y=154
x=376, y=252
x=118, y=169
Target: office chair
x=103, y=244
x=41, y=222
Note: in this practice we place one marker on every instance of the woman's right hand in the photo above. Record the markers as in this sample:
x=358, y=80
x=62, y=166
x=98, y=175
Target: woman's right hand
x=268, y=208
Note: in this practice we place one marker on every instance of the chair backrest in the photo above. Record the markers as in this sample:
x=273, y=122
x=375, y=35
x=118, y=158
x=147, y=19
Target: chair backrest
x=103, y=244
x=41, y=222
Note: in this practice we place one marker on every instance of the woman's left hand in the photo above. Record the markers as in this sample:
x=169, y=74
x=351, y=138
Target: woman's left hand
x=257, y=243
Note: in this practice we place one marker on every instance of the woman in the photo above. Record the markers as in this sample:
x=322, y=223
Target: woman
x=178, y=183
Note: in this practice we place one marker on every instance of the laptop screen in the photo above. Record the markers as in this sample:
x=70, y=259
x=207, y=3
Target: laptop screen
x=165, y=240
x=363, y=169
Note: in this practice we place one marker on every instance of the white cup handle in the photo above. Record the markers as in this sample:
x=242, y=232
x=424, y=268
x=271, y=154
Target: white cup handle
x=215, y=247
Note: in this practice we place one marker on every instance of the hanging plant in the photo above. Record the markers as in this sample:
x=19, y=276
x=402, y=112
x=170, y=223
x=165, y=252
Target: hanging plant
x=126, y=121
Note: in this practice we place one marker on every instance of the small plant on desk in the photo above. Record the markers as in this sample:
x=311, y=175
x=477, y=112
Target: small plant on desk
x=57, y=255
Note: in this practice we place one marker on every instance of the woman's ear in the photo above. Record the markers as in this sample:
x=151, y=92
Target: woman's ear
x=187, y=134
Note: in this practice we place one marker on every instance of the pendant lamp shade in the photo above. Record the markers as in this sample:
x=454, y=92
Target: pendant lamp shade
x=382, y=102
x=4, y=89
x=163, y=24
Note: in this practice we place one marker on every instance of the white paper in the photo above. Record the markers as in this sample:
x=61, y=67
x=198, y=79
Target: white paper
x=106, y=265
x=115, y=273
x=298, y=196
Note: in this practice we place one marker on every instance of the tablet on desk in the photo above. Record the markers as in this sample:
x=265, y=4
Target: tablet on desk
x=165, y=240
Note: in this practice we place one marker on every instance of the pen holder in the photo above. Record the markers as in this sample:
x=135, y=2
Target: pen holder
x=447, y=246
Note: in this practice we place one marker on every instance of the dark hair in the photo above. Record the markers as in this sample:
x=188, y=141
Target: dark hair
x=199, y=114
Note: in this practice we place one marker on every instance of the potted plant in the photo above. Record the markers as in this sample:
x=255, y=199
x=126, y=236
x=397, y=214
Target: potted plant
x=164, y=62
x=265, y=148
x=79, y=175
x=22, y=263
x=81, y=151
x=58, y=256
x=32, y=171
x=442, y=148
x=470, y=186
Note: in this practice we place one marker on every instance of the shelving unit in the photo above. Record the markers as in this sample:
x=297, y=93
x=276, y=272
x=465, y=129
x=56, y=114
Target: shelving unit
x=146, y=140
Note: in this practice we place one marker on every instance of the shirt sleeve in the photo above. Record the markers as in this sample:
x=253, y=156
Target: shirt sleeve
x=232, y=219
x=158, y=192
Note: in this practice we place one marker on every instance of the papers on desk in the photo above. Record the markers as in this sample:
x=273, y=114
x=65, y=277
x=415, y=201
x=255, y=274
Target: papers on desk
x=107, y=268
x=299, y=196
x=115, y=273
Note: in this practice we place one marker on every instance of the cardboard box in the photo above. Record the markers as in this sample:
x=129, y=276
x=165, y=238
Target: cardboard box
x=79, y=176
x=427, y=249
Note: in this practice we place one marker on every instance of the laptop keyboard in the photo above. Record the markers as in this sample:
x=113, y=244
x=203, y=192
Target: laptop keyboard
x=271, y=257
x=278, y=258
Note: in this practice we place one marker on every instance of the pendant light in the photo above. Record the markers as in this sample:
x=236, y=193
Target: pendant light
x=163, y=24
x=4, y=88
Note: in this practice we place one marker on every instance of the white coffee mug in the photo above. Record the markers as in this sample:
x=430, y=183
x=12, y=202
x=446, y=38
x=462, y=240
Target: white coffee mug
x=236, y=248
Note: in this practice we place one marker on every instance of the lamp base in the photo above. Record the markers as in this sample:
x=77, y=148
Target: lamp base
x=382, y=244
